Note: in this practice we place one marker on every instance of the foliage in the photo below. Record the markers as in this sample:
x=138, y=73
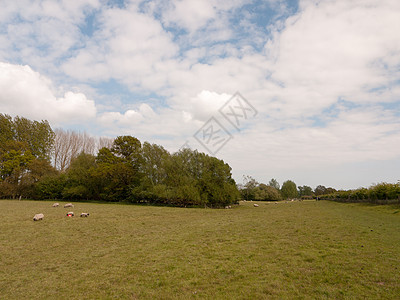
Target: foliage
x=377, y=193
x=124, y=171
x=249, y=188
x=25, y=148
x=274, y=183
x=305, y=191
x=265, y=192
x=289, y=190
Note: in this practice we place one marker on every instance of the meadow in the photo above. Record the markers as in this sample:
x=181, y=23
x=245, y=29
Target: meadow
x=295, y=250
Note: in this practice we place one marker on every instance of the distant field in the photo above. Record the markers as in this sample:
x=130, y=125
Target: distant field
x=292, y=250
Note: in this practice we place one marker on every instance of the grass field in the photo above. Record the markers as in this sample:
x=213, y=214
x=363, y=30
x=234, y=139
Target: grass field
x=296, y=250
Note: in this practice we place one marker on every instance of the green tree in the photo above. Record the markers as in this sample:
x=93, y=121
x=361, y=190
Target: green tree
x=289, y=190
x=15, y=158
x=6, y=129
x=38, y=135
x=154, y=163
x=119, y=169
x=320, y=190
x=305, y=191
x=80, y=182
x=249, y=186
x=274, y=183
x=265, y=192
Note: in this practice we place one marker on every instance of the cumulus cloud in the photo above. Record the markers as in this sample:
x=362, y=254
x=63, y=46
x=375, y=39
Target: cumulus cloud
x=336, y=49
x=41, y=33
x=26, y=93
x=324, y=80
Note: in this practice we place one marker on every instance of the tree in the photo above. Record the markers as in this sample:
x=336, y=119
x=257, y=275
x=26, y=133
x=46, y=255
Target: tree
x=249, y=185
x=274, y=183
x=80, y=182
x=120, y=168
x=38, y=135
x=320, y=190
x=68, y=145
x=15, y=158
x=289, y=190
x=265, y=192
x=154, y=158
x=6, y=129
x=305, y=191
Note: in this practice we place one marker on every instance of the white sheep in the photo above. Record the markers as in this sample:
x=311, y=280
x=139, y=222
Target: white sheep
x=84, y=214
x=68, y=205
x=38, y=217
x=56, y=204
x=70, y=214
x=255, y=205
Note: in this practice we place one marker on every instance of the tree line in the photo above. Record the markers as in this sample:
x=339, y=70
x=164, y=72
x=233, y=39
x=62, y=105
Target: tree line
x=253, y=190
x=378, y=193
x=381, y=193
x=39, y=163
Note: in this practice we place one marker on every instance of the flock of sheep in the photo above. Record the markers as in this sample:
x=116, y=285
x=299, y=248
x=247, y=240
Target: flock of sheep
x=38, y=217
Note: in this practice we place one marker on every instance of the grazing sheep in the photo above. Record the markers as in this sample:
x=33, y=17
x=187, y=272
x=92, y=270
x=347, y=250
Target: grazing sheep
x=56, y=204
x=38, y=217
x=68, y=205
x=84, y=214
x=255, y=205
x=70, y=214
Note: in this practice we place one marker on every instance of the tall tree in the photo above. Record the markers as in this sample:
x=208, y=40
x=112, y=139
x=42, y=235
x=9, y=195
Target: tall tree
x=274, y=183
x=249, y=185
x=305, y=191
x=289, y=190
x=38, y=135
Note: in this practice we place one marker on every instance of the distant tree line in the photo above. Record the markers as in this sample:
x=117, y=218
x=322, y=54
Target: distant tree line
x=253, y=190
x=382, y=193
x=39, y=163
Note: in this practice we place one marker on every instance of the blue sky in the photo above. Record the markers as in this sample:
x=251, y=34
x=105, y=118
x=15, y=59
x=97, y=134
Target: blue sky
x=324, y=77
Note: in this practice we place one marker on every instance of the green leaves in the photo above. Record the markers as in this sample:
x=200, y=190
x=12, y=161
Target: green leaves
x=289, y=190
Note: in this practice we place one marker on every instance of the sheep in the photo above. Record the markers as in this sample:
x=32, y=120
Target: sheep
x=56, y=204
x=70, y=214
x=38, y=217
x=84, y=214
x=68, y=205
x=255, y=205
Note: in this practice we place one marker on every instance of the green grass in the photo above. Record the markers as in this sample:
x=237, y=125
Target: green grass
x=297, y=250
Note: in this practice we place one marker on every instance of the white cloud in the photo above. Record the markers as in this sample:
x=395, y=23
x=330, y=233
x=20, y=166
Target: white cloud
x=129, y=46
x=319, y=84
x=26, y=93
x=333, y=50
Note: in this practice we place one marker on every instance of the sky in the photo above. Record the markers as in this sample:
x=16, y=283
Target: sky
x=303, y=90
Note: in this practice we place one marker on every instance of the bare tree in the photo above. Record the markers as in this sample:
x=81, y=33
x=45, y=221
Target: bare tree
x=104, y=142
x=69, y=144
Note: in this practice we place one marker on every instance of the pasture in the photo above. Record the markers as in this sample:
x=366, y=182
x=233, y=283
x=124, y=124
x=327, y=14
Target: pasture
x=291, y=250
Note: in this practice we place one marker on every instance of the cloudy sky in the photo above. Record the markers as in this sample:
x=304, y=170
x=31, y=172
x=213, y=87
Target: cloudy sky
x=319, y=81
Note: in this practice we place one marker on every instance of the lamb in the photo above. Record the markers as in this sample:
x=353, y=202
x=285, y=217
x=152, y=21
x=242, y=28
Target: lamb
x=255, y=205
x=68, y=205
x=84, y=214
x=56, y=204
x=70, y=214
x=38, y=217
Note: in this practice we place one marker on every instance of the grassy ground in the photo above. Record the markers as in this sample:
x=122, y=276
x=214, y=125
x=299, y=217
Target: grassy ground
x=296, y=250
